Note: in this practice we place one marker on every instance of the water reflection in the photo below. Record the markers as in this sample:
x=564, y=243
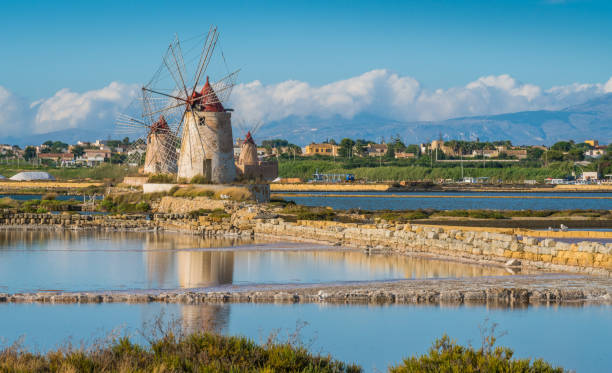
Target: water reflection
x=78, y=261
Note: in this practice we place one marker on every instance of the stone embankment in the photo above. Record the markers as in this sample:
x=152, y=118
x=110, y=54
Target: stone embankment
x=504, y=291
x=184, y=223
x=457, y=242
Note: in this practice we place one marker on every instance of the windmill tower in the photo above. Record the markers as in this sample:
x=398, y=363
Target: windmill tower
x=155, y=140
x=248, y=151
x=161, y=143
x=207, y=140
x=248, y=165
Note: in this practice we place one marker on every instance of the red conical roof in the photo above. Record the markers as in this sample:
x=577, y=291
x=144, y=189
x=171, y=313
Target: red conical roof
x=249, y=138
x=161, y=126
x=210, y=102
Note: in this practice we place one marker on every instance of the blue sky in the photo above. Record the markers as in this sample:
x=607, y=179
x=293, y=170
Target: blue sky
x=83, y=45
x=76, y=64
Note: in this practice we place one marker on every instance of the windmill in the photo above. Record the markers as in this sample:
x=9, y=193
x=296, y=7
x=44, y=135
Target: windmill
x=196, y=122
x=248, y=148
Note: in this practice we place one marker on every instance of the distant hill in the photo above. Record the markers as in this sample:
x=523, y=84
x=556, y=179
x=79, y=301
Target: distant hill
x=592, y=119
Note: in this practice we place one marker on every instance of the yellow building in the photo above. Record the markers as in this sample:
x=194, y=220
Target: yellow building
x=593, y=143
x=321, y=149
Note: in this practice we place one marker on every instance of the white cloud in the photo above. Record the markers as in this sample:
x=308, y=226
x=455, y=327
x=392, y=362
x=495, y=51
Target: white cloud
x=608, y=86
x=389, y=95
x=379, y=92
x=67, y=109
x=15, y=115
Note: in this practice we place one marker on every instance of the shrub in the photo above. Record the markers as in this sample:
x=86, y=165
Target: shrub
x=454, y=213
x=199, y=352
x=447, y=356
x=309, y=213
x=162, y=179
x=199, y=179
x=49, y=197
x=8, y=203
x=404, y=216
x=235, y=193
x=193, y=192
x=486, y=214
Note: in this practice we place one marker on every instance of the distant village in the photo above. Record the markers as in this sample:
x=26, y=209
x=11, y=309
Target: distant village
x=92, y=154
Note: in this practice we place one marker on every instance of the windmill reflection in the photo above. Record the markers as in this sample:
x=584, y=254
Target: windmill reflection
x=177, y=260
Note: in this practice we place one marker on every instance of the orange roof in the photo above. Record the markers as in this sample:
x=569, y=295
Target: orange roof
x=210, y=100
x=249, y=138
x=160, y=126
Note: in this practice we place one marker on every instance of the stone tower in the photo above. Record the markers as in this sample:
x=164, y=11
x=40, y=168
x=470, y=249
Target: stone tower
x=207, y=141
x=160, y=145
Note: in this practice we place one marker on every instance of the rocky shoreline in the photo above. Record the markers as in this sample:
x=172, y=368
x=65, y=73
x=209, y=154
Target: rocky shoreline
x=502, y=291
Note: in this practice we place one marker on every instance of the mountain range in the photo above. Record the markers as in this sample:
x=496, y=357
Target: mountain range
x=591, y=119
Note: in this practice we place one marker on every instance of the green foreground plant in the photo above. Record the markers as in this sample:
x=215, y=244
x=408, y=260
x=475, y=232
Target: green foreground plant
x=211, y=352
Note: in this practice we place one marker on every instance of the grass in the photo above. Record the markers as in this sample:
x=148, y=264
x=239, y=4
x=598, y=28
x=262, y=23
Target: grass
x=215, y=215
x=39, y=205
x=408, y=170
x=309, y=213
x=105, y=172
x=162, y=179
x=192, y=191
x=235, y=194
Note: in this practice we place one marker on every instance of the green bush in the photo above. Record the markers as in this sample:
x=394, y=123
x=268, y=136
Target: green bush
x=162, y=179
x=49, y=196
x=404, y=216
x=486, y=214
x=447, y=356
x=193, y=192
x=8, y=203
x=199, y=179
x=199, y=352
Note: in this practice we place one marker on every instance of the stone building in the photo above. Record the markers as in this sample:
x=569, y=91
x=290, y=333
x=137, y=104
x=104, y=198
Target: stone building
x=321, y=149
x=206, y=144
x=159, y=157
x=250, y=167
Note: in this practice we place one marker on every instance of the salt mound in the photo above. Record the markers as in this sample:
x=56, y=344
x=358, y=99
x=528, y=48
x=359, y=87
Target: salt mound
x=32, y=175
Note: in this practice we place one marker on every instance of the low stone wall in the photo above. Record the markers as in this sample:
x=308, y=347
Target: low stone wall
x=584, y=257
x=135, y=180
x=202, y=225
x=321, y=187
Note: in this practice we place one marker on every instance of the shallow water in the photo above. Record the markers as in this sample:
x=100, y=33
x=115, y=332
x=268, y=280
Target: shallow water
x=456, y=201
x=76, y=261
x=59, y=197
x=373, y=336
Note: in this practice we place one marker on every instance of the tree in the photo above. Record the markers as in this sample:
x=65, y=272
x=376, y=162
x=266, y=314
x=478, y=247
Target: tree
x=274, y=143
x=562, y=146
x=575, y=154
x=554, y=156
x=29, y=153
x=126, y=141
x=78, y=150
x=534, y=154
x=414, y=149
x=346, y=147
